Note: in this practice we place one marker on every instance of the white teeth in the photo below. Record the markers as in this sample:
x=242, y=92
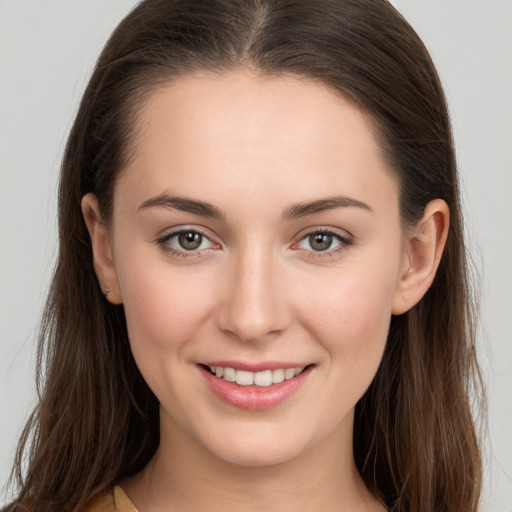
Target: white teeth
x=229, y=374
x=263, y=379
x=277, y=376
x=289, y=373
x=244, y=378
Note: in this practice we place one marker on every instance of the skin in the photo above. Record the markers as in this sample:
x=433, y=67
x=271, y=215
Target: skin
x=254, y=147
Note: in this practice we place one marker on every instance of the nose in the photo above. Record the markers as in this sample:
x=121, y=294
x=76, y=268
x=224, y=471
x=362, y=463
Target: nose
x=255, y=305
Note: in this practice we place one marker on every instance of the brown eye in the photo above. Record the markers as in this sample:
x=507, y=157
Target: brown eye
x=190, y=240
x=320, y=241
x=186, y=243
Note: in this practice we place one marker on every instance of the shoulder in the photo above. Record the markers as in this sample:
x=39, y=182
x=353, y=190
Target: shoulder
x=102, y=503
x=112, y=500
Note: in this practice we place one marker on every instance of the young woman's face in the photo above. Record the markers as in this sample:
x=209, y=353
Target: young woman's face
x=256, y=231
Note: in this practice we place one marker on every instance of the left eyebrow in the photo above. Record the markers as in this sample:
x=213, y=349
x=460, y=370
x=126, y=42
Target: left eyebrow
x=321, y=205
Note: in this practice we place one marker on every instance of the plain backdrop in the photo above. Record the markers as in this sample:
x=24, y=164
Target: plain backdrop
x=47, y=50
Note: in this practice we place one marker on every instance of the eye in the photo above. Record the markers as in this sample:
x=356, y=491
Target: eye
x=320, y=241
x=323, y=241
x=185, y=241
x=190, y=240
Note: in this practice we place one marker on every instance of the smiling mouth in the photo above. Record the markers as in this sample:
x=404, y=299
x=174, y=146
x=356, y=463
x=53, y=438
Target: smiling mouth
x=263, y=378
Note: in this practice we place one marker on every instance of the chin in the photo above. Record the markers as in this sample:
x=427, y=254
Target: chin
x=259, y=445
x=253, y=455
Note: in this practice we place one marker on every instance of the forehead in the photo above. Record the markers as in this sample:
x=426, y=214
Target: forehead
x=238, y=131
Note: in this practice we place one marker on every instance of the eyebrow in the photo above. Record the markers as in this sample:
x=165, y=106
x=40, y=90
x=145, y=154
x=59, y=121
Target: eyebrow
x=183, y=204
x=322, y=205
x=296, y=211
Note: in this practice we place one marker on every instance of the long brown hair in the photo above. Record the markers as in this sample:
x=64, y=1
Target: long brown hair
x=97, y=421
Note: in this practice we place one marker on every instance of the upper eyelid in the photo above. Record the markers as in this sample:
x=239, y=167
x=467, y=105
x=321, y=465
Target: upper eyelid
x=170, y=232
x=342, y=233
x=167, y=237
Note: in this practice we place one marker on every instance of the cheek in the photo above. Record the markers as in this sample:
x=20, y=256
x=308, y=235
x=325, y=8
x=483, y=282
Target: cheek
x=350, y=319
x=164, y=306
x=350, y=316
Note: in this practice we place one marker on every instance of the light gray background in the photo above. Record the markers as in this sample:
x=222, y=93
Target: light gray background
x=47, y=49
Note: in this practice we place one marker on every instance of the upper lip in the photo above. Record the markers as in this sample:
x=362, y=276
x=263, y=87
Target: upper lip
x=255, y=367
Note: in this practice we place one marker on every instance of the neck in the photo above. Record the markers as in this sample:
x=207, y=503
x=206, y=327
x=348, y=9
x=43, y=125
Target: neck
x=191, y=478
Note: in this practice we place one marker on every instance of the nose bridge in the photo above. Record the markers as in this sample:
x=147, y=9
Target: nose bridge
x=256, y=304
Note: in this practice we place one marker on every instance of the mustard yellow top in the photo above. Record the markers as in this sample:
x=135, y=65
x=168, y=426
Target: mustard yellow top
x=112, y=500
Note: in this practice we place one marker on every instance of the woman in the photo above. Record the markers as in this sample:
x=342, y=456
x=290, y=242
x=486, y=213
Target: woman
x=261, y=275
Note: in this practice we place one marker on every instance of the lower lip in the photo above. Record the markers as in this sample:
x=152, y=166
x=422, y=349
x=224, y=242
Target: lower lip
x=254, y=398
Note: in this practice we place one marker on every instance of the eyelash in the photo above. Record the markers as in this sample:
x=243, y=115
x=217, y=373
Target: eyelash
x=345, y=241
x=164, y=243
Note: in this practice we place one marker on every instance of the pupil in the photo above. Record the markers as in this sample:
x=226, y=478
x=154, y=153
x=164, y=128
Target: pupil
x=320, y=241
x=190, y=240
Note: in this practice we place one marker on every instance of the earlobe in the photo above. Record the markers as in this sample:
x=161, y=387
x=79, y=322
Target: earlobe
x=423, y=250
x=101, y=247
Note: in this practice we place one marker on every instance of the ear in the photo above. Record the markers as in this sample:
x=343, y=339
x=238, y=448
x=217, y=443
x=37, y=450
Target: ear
x=423, y=249
x=101, y=249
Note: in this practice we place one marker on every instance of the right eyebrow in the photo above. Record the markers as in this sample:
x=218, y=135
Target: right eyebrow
x=183, y=204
